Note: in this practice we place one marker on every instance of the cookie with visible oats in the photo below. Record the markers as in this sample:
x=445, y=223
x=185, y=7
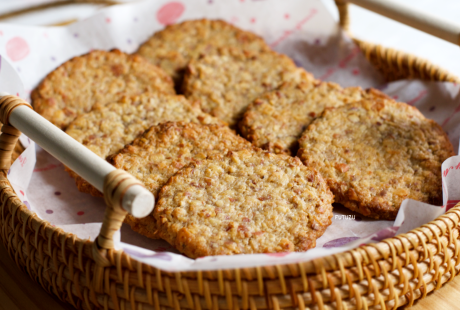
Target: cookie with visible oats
x=106, y=130
x=99, y=77
x=226, y=84
x=276, y=120
x=244, y=202
x=173, y=47
x=164, y=149
x=375, y=153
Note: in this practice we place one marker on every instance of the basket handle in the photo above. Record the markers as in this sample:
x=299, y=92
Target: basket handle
x=123, y=193
x=413, y=17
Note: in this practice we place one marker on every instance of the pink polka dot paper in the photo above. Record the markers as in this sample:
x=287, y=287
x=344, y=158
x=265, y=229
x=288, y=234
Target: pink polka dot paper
x=17, y=48
x=170, y=12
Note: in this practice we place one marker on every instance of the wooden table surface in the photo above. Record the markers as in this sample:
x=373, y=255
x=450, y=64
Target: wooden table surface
x=19, y=292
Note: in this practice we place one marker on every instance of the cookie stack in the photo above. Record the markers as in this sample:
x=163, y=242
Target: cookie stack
x=219, y=193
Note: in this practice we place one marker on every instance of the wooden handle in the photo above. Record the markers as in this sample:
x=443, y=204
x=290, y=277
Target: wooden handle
x=137, y=200
x=411, y=16
x=122, y=192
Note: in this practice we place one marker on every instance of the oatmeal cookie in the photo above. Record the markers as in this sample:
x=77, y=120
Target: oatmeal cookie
x=106, y=130
x=164, y=149
x=244, y=202
x=376, y=153
x=226, y=84
x=174, y=47
x=276, y=120
x=99, y=77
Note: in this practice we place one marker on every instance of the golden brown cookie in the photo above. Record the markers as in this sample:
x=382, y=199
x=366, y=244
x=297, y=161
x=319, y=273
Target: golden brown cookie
x=376, y=153
x=244, y=202
x=276, y=120
x=99, y=77
x=174, y=47
x=106, y=130
x=226, y=84
x=164, y=149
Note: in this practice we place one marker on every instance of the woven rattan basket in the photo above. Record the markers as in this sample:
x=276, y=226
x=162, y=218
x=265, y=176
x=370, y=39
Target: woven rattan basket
x=384, y=275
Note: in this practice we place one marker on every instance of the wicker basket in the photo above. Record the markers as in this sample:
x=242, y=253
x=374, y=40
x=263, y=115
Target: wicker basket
x=388, y=274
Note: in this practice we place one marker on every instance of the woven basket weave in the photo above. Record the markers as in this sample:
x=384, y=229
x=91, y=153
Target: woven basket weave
x=384, y=275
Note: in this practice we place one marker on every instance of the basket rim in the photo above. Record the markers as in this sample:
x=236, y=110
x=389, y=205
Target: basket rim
x=399, y=58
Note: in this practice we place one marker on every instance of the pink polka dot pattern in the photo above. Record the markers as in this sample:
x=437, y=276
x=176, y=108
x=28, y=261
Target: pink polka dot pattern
x=170, y=12
x=17, y=48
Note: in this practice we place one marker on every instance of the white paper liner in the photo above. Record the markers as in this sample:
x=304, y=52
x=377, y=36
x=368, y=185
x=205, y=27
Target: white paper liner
x=302, y=29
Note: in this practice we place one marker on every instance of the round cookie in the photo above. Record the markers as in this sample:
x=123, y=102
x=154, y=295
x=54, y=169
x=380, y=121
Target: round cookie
x=164, y=149
x=99, y=77
x=226, y=84
x=244, y=202
x=276, y=120
x=106, y=130
x=174, y=47
x=375, y=153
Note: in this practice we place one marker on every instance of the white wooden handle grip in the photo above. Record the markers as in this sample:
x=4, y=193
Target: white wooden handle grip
x=411, y=16
x=137, y=201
